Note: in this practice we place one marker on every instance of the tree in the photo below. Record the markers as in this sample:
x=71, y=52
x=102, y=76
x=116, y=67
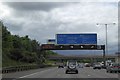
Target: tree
x=21, y=49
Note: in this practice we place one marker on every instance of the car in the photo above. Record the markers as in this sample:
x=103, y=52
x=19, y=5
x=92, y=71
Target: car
x=80, y=65
x=71, y=67
x=87, y=64
x=102, y=65
x=115, y=67
x=60, y=66
x=97, y=66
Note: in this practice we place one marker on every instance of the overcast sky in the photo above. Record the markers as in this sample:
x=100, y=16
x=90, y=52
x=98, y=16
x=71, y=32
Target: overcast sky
x=42, y=20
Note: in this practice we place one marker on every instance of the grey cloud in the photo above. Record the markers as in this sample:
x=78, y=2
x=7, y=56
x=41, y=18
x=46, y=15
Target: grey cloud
x=119, y=26
x=34, y=6
x=13, y=26
x=34, y=10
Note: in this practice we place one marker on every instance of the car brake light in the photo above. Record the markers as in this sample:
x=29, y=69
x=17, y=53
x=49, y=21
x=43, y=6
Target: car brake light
x=115, y=66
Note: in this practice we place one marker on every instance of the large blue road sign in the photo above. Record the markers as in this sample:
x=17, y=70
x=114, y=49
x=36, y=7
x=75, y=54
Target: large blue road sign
x=76, y=38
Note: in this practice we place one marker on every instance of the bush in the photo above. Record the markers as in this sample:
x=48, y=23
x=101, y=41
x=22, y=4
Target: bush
x=16, y=54
x=28, y=57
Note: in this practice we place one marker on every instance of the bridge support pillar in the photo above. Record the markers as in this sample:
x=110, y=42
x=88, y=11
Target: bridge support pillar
x=92, y=61
x=104, y=57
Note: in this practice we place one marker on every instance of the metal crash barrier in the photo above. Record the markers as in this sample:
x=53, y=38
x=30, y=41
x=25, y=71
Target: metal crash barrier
x=22, y=68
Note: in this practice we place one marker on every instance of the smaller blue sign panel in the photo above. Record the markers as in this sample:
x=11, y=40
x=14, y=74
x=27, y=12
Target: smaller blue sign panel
x=76, y=38
x=51, y=41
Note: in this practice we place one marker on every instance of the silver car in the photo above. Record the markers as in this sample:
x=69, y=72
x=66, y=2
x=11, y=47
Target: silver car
x=80, y=65
x=71, y=67
x=97, y=66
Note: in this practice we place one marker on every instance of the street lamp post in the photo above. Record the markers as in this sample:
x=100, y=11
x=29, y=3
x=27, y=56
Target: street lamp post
x=106, y=46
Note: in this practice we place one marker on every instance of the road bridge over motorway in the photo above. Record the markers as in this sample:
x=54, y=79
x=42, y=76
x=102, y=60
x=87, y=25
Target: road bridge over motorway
x=79, y=57
x=45, y=47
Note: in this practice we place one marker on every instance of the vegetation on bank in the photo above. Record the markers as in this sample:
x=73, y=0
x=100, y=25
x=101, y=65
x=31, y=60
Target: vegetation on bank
x=18, y=50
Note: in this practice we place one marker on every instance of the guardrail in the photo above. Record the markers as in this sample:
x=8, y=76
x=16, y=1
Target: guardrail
x=22, y=68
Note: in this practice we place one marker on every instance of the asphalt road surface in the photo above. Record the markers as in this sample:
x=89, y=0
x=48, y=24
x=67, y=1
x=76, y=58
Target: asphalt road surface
x=54, y=72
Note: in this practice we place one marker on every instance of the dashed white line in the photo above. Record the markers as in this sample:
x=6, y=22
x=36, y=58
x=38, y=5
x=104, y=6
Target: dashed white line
x=34, y=73
x=29, y=75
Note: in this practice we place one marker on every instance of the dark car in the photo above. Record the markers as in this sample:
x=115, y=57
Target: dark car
x=60, y=66
x=115, y=67
x=71, y=67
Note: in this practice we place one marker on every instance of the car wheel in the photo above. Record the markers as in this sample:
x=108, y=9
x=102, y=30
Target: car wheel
x=107, y=71
x=66, y=72
x=115, y=71
x=111, y=71
x=76, y=71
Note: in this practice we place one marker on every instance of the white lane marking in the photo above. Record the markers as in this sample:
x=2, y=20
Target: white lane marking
x=34, y=73
x=29, y=75
x=88, y=75
x=58, y=75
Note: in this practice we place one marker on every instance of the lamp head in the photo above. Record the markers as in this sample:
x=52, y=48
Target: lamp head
x=114, y=23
